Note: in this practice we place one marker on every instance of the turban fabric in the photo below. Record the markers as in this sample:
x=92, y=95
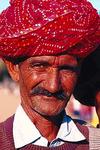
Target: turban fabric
x=48, y=27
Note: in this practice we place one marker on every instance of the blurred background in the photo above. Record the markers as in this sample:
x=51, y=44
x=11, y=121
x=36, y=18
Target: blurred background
x=9, y=91
x=9, y=94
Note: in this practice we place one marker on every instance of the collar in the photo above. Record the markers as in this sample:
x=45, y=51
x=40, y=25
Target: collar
x=25, y=132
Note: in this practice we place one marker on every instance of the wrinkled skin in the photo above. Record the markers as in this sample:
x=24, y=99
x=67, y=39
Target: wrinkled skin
x=46, y=84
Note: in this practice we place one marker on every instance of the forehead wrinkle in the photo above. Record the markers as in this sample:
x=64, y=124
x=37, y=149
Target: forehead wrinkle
x=56, y=61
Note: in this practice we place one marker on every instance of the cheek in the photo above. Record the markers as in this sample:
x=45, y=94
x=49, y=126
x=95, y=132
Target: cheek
x=31, y=78
x=69, y=81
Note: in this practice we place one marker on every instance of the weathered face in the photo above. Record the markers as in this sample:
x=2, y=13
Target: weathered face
x=46, y=83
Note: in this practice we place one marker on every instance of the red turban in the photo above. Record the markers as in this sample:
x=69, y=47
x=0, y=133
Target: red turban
x=48, y=27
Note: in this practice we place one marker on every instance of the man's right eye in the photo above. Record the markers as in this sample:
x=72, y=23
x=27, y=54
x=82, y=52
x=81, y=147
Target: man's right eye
x=39, y=65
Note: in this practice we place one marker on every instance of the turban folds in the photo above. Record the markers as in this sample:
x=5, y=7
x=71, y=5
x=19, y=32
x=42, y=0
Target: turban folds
x=48, y=27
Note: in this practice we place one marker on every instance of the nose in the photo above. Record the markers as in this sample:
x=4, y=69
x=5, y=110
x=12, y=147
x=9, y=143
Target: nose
x=53, y=81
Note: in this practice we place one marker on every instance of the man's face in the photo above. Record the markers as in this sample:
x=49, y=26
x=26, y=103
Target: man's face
x=46, y=83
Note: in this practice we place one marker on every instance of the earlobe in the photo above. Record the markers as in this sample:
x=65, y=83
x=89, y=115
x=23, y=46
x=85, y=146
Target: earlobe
x=13, y=70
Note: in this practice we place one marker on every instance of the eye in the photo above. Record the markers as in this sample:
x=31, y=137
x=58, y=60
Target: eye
x=39, y=65
x=36, y=65
x=70, y=68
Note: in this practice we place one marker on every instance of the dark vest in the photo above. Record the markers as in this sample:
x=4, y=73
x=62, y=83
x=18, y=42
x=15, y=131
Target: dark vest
x=7, y=142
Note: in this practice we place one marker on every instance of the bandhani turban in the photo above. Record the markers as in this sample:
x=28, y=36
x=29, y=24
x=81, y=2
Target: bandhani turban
x=48, y=27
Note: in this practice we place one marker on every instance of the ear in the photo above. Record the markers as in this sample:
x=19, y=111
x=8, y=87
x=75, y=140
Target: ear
x=13, y=70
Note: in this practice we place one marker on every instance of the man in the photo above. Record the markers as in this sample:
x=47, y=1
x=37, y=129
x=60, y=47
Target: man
x=87, y=89
x=42, y=43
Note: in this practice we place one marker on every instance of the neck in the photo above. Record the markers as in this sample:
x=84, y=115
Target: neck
x=48, y=126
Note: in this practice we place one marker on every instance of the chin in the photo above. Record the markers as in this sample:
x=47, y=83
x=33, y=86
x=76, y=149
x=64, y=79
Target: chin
x=47, y=106
x=49, y=112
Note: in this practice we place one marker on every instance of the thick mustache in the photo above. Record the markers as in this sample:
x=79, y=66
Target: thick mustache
x=60, y=94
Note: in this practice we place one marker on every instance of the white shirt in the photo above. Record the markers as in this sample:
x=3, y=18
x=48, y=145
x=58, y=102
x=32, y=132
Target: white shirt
x=25, y=132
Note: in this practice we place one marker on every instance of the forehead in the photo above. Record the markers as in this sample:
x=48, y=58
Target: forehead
x=57, y=60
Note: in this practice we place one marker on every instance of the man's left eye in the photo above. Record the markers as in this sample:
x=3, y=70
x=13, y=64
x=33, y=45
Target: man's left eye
x=70, y=68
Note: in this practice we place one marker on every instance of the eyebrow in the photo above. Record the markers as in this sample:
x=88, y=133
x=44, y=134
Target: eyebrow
x=75, y=68
x=39, y=61
x=66, y=66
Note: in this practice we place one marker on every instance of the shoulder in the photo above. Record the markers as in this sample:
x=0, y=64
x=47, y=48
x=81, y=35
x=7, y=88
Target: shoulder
x=7, y=123
x=92, y=133
x=94, y=137
x=6, y=129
